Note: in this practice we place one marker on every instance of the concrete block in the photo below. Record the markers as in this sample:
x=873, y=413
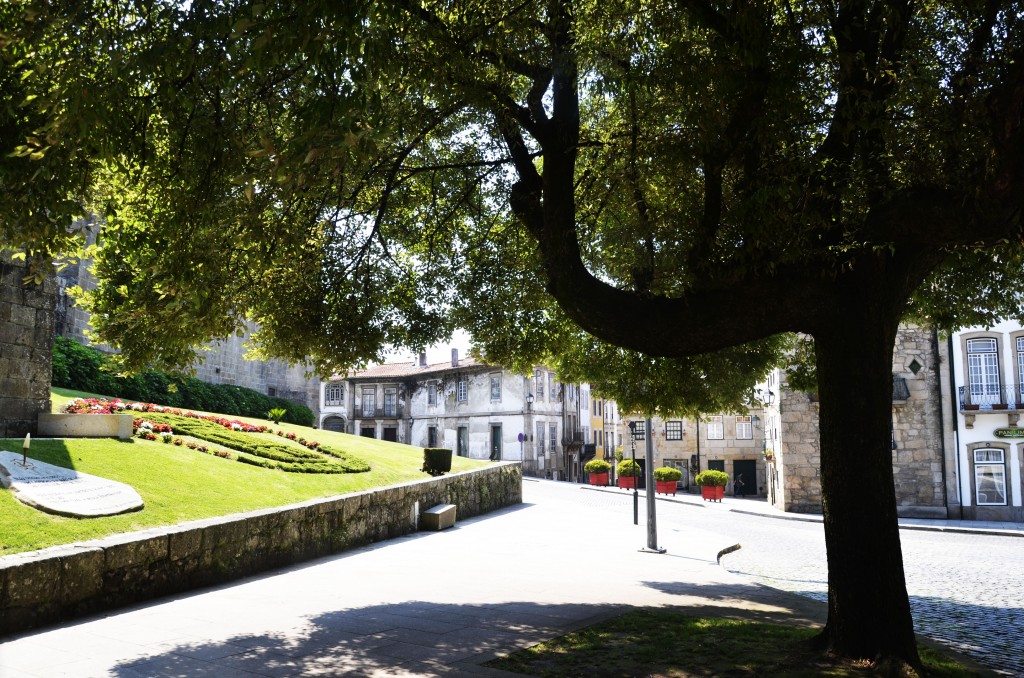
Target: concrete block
x=438, y=517
x=85, y=425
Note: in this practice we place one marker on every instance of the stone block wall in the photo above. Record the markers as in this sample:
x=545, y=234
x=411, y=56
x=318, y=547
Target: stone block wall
x=26, y=346
x=59, y=583
x=917, y=432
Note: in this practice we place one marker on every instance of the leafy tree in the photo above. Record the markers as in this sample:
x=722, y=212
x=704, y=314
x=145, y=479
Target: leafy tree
x=677, y=178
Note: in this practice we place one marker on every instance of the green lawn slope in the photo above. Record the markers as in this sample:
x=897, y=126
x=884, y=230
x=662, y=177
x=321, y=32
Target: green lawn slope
x=179, y=484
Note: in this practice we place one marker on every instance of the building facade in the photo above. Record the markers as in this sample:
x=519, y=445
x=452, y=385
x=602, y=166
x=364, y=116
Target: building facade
x=986, y=377
x=477, y=410
x=733, y=443
x=923, y=467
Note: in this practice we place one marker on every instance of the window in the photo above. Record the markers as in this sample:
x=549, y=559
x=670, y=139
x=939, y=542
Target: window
x=600, y=437
x=541, y=437
x=463, y=392
x=431, y=436
x=715, y=429
x=983, y=371
x=538, y=384
x=673, y=430
x=553, y=437
x=990, y=477
x=1020, y=369
x=432, y=394
x=462, y=441
x=639, y=430
x=496, y=386
x=369, y=401
x=586, y=435
x=390, y=402
x=552, y=391
x=744, y=429
x=333, y=395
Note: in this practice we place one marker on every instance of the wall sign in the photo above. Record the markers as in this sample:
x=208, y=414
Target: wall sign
x=1010, y=432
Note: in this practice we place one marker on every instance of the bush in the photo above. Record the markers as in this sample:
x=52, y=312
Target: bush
x=84, y=368
x=597, y=466
x=437, y=460
x=712, y=478
x=667, y=473
x=628, y=468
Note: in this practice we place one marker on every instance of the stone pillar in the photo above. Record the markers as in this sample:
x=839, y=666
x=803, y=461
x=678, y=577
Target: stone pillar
x=26, y=346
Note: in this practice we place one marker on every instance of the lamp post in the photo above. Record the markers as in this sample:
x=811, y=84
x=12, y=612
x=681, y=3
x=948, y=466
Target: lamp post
x=636, y=494
x=528, y=425
x=652, y=520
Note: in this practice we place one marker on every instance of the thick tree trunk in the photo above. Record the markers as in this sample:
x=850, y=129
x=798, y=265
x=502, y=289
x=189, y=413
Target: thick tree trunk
x=868, y=608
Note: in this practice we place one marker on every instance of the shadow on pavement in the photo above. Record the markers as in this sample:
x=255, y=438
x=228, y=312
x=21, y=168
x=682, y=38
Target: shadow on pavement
x=420, y=638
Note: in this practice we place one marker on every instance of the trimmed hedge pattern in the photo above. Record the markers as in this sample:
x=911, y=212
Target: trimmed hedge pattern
x=258, y=451
x=84, y=368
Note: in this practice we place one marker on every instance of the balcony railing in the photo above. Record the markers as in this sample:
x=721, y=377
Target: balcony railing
x=1008, y=397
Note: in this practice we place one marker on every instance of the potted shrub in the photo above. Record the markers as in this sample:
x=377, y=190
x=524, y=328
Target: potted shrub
x=712, y=484
x=628, y=471
x=665, y=479
x=598, y=470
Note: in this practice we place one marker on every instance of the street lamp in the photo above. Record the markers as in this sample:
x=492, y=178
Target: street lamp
x=528, y=425
x=636, y=494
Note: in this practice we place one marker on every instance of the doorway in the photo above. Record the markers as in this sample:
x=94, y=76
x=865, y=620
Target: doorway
x=390, y=434
x=495, y=442
x=368, y=432
x=744, y=470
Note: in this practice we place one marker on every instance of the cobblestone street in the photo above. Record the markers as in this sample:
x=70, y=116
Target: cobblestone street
x=966, y=590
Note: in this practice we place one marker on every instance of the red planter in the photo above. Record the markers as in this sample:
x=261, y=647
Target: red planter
x=710, y=493
x=599, y=479
x=665, y=486
x=627, y=482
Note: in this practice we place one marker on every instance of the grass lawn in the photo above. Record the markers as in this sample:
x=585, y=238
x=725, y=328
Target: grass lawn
x=179, y=484
x=657, y=642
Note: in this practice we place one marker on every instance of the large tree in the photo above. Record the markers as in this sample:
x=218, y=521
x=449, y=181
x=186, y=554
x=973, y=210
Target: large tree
x=671, y=178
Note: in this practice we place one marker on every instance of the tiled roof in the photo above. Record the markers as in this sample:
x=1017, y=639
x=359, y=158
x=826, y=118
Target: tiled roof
x=408, y=369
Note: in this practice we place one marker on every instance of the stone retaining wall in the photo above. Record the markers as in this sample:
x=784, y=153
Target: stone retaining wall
x=26, y=345
x=62, y=582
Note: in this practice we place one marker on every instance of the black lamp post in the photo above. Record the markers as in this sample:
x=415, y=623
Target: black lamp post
x=636, y=493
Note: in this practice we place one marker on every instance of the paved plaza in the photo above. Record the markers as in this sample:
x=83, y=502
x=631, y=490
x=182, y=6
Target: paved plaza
x=435, y=603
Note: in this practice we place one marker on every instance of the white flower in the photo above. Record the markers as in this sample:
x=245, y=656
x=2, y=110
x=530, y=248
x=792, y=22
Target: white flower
x=236, y=427
x=146, y=425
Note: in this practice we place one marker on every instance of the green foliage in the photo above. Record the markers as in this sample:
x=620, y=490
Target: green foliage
x=263, y=452
x=802, y=374
x=628, y=468
x=276, y=414
x=86, y=369
x=437, y=460
x=666, y=473
x=597, y=466
x=712, y=478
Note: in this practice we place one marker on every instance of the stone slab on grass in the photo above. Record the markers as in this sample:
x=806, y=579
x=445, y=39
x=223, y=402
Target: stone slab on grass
x=64, y=491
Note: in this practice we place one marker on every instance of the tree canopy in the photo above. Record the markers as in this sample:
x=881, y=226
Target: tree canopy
x=669, y=178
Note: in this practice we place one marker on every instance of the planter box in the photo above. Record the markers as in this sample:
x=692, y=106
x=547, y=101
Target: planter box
x=627, y=482
x=599, y=479
x=665, y=486
x=710, y=493
x=1000, y=406
x=85, y=426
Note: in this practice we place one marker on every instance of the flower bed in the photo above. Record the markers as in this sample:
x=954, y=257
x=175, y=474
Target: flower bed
x=237, y=436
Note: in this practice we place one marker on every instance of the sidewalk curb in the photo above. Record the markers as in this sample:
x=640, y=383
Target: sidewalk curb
x=811, y=518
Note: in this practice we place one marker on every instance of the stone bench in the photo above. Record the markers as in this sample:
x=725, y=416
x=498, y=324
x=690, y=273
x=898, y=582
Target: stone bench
x=438, y=517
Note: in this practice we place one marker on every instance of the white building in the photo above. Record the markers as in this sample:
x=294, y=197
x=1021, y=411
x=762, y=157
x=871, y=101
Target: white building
x=986, y=369
x=478, y=411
